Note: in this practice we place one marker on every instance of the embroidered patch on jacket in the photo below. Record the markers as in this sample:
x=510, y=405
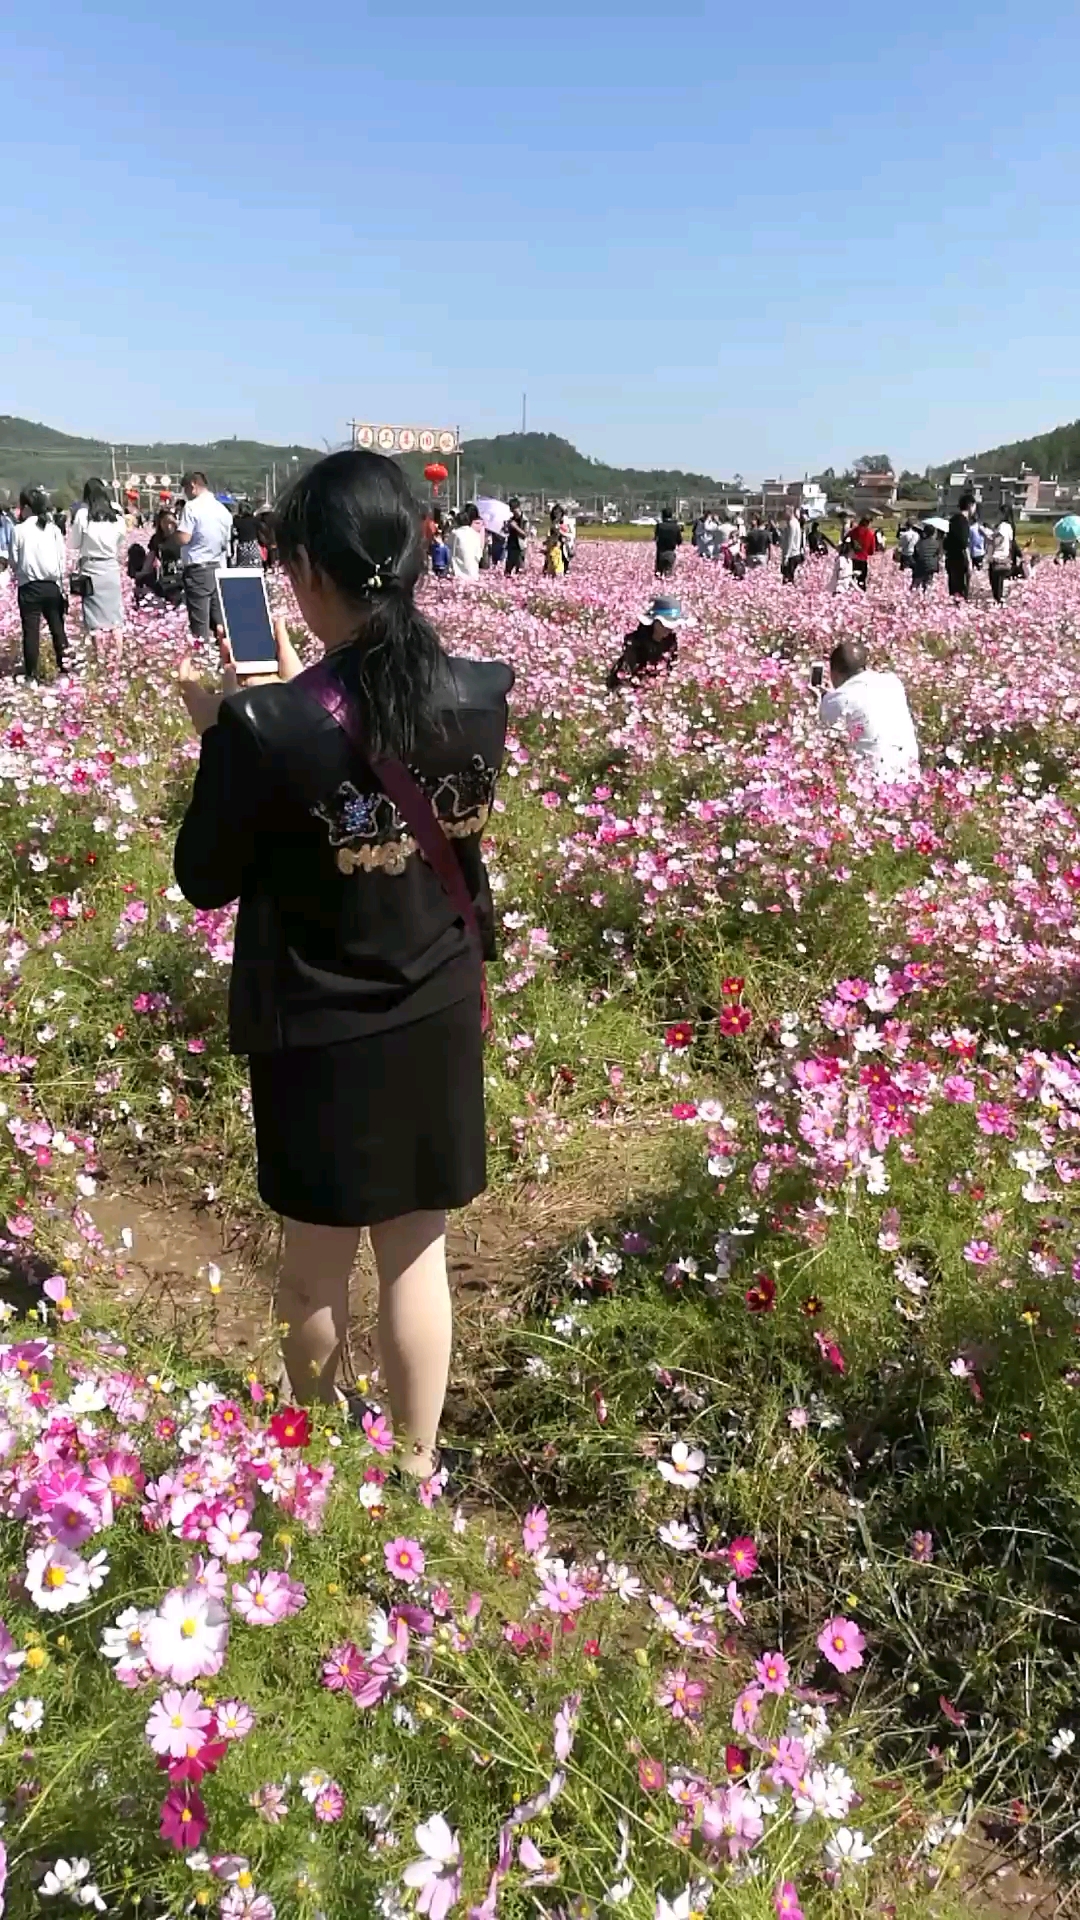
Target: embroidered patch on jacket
x=367, y=833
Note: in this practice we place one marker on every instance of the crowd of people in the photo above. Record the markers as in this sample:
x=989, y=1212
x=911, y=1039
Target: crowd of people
x=52, y=561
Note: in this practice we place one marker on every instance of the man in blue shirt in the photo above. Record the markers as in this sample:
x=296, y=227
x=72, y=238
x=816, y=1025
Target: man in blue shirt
x=977, y=542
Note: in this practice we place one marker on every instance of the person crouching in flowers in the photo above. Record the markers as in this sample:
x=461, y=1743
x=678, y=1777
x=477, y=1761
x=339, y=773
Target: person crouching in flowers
x=344, y=808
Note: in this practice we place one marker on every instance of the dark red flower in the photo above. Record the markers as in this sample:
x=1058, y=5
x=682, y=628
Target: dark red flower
x=195, y=1766
x=679, y=1036
x=732, y=986
x=811, y=1306
x=734, y=1020
x=737, y=1761
x=761, y=1297
x=291, y=1427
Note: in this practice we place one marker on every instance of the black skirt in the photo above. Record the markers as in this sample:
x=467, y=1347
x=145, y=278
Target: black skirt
x=370, y=1129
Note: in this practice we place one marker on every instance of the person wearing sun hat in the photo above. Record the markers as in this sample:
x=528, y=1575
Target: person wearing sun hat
x=653, y=643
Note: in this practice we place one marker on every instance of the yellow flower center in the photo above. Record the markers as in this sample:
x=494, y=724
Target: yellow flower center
x=189, y=1628
x=55, y=1576
x=177, y=1720
x=121, y=1483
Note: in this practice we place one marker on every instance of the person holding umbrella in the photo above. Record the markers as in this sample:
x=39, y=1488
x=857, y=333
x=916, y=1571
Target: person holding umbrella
x=1067, y=535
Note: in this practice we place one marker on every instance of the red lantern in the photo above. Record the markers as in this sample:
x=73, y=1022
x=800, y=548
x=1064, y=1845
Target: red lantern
x=436, y=473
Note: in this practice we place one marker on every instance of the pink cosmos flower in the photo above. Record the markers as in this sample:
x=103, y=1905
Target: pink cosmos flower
x=177, y=1723
x=329, y=1803
x=232, y=1539
x=565, y=1726
x=959, y=1090
x=980, y=1253
x=731, y=1815
x=344, y=1669
x=183, y=1818
x=746, y=1709
x=651, y=1776
x=786, y=1901
x=436, y=1876
x=992, y=1118
x=772, y=1671
x=404, y=1559
x=842, y=1644
x=922, y=1547
x=267, y=1598
x=681, y=1695
x=270, y=1803
x=378, y=1432
x=56, y=1290
x=12, y=1659
x=234, y=1719
x=534, y=1531
x=561, y=1595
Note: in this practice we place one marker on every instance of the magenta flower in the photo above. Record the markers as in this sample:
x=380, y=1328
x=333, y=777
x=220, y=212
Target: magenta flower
x=534, y=1531
x=842, y=1644
x=329, y=1803
x=743, y=1558
x=177, y=1723
x=404, y=1559
x=922, y=1547
x=730, y=1816
x=267, y=1598
x=786, y=1901
x=992, y=1118
x=773, y=1672
x=651, y=1775
x=183, y=1818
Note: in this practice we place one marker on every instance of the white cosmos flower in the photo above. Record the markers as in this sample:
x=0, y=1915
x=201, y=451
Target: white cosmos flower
x=1063, y=1739
x=848, y=1848
x=684, y=1467
x=56, y=1578
x=27, y=1715
x=63, y=1877
x=676, y=1533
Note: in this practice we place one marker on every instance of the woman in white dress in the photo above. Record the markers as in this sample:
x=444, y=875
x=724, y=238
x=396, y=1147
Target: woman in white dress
x=97, y=534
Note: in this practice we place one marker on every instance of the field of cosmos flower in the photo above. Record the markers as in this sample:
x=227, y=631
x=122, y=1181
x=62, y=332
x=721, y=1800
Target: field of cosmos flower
x=762, y=1597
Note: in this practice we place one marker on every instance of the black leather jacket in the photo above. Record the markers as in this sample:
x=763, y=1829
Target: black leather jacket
x=343, y=929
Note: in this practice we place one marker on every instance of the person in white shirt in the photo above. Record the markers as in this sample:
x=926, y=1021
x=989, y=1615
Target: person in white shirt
x=871, y=710
x=843, y=574
x=38, y=556
x=204, y=531
x=467, y=546
x=1001, y=558
x=97, y=535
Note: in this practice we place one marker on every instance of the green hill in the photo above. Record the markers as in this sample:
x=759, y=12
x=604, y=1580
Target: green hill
x=511, y=463
x=1045, y=453
x=543, y=463
x=32, y=454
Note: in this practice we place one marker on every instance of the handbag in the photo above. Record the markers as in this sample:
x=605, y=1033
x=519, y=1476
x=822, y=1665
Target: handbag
x=413, y=805
x=83, y=585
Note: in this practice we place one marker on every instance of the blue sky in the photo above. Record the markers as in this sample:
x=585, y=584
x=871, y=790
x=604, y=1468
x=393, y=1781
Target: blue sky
x=756, y=239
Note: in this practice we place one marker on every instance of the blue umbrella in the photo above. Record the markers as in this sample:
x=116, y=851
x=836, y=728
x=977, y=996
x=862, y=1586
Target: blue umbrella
x=1069, y=528
x=227, y=499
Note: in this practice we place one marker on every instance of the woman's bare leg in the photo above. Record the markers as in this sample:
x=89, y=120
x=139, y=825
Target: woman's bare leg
x=415, y=1330
x=313, y=1305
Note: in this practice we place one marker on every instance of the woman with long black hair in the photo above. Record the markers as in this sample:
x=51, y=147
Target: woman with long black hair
x=38, y=556
x=97, y=535
x=344, y=806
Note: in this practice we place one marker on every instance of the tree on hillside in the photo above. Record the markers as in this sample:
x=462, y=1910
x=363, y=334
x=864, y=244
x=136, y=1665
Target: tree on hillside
x=915, y=486
x=873, y=463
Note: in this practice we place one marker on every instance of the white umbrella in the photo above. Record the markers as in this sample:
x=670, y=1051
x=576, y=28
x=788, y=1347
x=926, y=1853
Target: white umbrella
x=494, y=514
x=939, y=525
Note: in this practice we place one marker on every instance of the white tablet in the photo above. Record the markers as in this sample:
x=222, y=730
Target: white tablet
x=246, y=612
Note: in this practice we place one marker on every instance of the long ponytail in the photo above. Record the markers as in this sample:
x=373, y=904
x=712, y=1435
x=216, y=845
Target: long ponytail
x=353, y=517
